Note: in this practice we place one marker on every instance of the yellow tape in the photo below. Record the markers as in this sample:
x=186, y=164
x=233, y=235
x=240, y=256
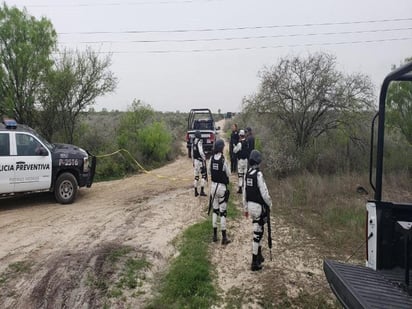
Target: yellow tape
x=141, y=166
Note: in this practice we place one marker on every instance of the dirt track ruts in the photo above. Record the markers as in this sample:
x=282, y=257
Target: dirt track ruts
x=62, y=243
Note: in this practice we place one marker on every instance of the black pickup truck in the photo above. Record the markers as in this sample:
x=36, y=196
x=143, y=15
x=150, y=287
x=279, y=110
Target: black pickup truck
x=384, y=281
x=201, y=119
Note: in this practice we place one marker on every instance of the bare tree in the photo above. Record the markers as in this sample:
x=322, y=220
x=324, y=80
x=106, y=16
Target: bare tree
x=78, y=79
x=310, y=96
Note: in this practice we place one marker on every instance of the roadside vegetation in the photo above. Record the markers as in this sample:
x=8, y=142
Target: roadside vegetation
x=189, y=282
x=152, y=139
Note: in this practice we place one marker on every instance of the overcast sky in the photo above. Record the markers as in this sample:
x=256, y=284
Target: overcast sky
x=181, y=54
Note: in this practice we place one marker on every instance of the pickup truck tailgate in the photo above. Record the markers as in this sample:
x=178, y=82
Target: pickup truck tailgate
x=361, y=287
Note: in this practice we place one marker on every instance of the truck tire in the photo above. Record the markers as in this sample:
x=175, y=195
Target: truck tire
x=65, y=189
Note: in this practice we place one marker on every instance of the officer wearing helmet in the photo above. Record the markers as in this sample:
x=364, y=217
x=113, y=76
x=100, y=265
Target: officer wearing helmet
x=199, y=164
x=255, y=200
x=219, y=194
x=241, y=149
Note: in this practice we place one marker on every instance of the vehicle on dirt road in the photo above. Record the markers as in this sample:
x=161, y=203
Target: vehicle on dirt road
x=29, y=163
x=201, y=119
x=385, y=280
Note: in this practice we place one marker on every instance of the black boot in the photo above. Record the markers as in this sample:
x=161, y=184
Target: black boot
x=196, y=193
x=225, y=240
x=202, y=192
x=240, y=190
x=255, y=264
x=260, y=257
x=215, y=234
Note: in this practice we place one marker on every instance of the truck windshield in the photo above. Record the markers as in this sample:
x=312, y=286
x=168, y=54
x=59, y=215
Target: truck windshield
x=50, y=146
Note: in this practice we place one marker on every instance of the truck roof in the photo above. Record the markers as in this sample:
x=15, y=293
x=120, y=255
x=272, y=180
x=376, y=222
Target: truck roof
x=12, y=125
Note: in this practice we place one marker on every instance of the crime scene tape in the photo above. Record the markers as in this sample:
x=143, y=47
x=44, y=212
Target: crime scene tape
x=122, y=151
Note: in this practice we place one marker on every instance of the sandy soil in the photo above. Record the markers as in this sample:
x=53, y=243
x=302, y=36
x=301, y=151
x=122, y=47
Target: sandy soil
x=63, y=246
x=62, y=243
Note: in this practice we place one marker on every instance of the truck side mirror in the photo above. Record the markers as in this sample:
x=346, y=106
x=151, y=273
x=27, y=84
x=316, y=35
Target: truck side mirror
x=42, y=152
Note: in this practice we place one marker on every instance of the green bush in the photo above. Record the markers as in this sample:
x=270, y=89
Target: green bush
x=154, y=142
x=344, y=149
x=108, y=168
x=397, y=153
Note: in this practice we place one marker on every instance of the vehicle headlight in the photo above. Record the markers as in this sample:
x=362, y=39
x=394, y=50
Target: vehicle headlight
x=86, y=166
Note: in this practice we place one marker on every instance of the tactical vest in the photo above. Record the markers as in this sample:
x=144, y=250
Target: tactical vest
x=242, y=154
x=218, y=174
x=252, y=189
x=196, y=153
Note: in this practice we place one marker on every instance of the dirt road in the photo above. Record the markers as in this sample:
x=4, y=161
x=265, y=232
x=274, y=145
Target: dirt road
x=54, y=256
x=61, y=244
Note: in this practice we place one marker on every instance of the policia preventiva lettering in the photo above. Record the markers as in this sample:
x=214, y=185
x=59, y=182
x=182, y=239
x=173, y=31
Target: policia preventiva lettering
x=24, y=167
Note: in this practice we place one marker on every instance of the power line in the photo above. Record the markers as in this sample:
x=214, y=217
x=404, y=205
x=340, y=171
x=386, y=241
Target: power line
x=242, y=28
x=118, y=3
x=170, y=51
x=247, y=37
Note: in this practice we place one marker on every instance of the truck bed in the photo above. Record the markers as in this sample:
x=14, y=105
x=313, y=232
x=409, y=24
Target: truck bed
x=361, y=287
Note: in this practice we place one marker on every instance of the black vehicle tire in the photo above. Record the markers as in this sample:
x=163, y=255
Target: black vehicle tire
x=65, y=189
x=189, y=152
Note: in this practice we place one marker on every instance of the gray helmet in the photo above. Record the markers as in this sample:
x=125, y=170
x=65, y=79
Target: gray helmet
x=255, y=157
x=198, y=134
x=219, y=145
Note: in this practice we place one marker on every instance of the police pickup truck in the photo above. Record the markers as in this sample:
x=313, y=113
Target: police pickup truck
x=29, y=163
x=201, y=119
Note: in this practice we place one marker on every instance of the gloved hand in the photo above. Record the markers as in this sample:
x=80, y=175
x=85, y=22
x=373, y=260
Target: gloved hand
x=246, y=214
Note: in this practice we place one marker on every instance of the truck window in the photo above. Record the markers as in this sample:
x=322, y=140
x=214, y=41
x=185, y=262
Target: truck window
x=4, y=145
x=27, y=145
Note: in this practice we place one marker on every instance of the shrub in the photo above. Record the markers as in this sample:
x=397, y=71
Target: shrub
x=154, y=142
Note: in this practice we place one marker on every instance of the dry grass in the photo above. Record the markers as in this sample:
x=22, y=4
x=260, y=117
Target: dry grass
x=330, y=209
x=326, y=207
x=397, y=187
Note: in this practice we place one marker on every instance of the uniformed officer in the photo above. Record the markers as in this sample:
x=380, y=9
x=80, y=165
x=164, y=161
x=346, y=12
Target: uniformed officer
x=220, y=172
x=241, y=149
x=255, y=200
x=199, y=164
x=234, y=139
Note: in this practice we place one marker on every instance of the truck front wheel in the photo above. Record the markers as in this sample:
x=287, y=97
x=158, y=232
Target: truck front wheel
x=65, y=189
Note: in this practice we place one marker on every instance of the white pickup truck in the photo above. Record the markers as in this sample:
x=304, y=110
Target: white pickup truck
x=29, y=163
x=385, y=280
